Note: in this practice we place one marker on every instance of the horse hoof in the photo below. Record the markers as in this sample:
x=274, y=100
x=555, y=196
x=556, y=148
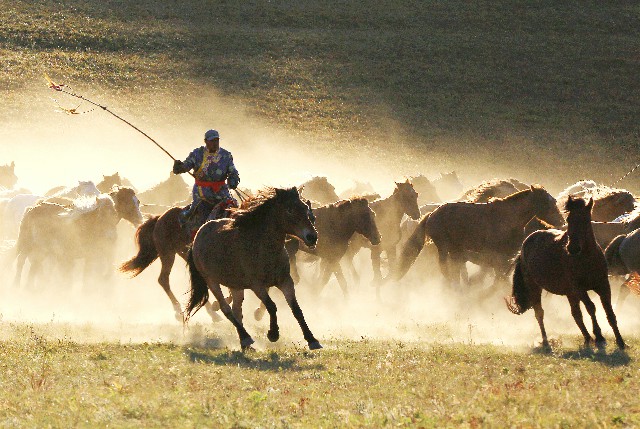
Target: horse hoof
x=258, y=314
x=215, y=317
x=273, y=336
x=179, y=316
x=314, y=345
x=621, y=345
x=246, y=343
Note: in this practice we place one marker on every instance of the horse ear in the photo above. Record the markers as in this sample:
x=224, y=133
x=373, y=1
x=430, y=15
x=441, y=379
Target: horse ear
x=13, y=164
x=590, y=204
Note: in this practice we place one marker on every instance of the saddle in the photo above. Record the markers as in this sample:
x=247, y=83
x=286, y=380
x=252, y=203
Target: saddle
x=192, y=218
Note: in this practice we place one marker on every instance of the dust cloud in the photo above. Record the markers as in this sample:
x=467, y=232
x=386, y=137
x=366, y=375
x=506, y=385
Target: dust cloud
x=51, y=149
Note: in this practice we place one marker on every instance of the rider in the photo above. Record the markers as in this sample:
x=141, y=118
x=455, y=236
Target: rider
x=215, y=174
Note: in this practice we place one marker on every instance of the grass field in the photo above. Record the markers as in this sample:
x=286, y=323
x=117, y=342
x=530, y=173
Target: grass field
x=50, y=381
x=543, y=91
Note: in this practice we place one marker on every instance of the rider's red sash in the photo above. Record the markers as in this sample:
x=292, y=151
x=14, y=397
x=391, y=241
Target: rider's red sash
x=214, y=186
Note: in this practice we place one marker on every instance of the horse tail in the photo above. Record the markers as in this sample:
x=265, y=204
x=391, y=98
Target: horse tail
x=147, y=252
x=199, y=290
x=612, y=255
x=518, y=302
x=412, y=248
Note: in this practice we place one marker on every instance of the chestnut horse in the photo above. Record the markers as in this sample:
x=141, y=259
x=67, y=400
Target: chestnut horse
x=163, y=237
x=247, y=252
x=564, y=263
x=490, y=232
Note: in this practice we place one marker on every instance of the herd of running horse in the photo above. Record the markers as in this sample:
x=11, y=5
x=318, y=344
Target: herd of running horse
x=567, y=244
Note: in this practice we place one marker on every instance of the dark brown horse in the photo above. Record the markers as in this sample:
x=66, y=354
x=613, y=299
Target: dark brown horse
x=389, y=212
x=247, y=252
x=163, y=237
x=564, y=263
x=489, y=232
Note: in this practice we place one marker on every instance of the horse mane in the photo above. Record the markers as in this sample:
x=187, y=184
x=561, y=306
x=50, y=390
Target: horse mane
x=254, y=211
x=84, y=205
x=574, y=203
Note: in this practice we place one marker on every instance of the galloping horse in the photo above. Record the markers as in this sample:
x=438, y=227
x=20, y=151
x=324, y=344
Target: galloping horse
x=86, y=230
x=8, y=178
x=247, y=252
x=564, y=263
x=163, y=237
x=488, y=232
x=389, y=212
x=336, y=224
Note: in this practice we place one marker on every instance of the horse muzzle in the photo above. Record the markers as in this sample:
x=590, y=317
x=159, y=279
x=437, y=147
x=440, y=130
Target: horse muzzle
x=310, y=239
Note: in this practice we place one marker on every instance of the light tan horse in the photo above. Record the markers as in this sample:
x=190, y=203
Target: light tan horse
x=247, y=252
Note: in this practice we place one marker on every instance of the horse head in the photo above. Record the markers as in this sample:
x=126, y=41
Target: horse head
x=297, y=216
x=108, y=182
x=8, y=178
x=127, y=204
x=578, y=223
x=319, y=189
x=365, y=220
x=546, y=207
x=426, y=190
x=86, y=188
x=408, y=199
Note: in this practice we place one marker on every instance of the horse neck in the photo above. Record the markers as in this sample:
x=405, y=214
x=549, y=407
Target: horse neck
x=514, y=203
x=343, y=226
x=581, y=231
x=390, y=207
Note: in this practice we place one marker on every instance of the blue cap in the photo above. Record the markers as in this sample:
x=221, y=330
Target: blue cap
x=211, y=134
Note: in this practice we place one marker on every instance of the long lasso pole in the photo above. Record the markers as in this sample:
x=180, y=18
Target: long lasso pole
x=625, y=176
x=60, y=88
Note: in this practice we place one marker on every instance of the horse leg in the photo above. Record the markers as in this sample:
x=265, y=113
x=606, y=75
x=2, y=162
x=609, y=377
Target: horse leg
x=375, y=265
x=293, y=267
x=591, y=309
x=290, y=295
x=622, y=295
x=245, y=338
x=537, y=308
x=605, y=299
x=238, y=298
x=337, y=271
x=574, y=302
x=167, y=260
x=274, y=331
x=443, y=261
x=19, y=268
x=324, y=276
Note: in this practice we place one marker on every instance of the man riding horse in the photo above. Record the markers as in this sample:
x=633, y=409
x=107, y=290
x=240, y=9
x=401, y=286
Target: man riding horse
x=215, y=174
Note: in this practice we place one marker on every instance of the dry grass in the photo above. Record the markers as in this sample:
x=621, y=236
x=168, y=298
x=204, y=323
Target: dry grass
x=49, y=381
